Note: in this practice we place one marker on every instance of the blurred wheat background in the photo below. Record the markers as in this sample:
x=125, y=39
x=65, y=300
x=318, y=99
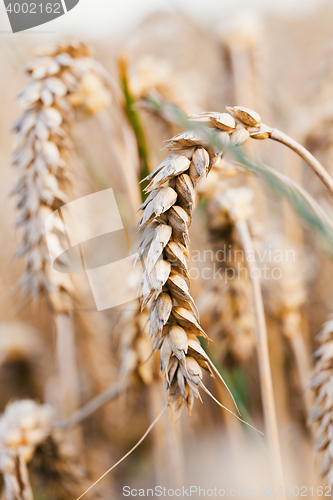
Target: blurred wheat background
x=90, y=107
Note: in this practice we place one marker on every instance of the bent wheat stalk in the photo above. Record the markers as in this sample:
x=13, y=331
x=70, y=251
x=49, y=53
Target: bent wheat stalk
x=248, y=124
x=316, y=166
x=258, y=130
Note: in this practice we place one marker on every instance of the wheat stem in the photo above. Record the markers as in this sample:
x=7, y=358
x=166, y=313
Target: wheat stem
x=300, y=352
x=152, y=425
x=277, y=135
x=66, y=363
x=135, y=121
x=94, y=404
x=266, y=383
x=124, y=163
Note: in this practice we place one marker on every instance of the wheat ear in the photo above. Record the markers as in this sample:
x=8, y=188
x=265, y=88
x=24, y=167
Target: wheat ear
x=23, y=426
x=28, y=437
x=62, y=81
x=66, y=79
x=167, y=215
x=322, y=411
x=227, y=300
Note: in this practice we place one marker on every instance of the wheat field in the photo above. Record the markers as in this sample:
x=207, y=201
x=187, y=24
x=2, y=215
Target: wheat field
x=186, y=349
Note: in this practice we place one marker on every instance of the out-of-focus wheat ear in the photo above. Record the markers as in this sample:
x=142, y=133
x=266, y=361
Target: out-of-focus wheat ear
x=234, y=210
x=226, y=304
x=321, y=415
x=266, y=383
x=31, y=445
x=286, y=299
x=244, y=45
x=65, y=84
x=23, y=426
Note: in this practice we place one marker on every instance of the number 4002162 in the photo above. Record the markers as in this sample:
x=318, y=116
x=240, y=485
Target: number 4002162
x=304, y=491
x=34, y=8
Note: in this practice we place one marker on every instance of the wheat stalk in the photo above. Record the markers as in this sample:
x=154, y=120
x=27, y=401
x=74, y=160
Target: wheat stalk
x=231, y=212
x=266, y=383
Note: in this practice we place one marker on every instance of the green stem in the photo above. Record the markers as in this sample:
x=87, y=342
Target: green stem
x=136, y=123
